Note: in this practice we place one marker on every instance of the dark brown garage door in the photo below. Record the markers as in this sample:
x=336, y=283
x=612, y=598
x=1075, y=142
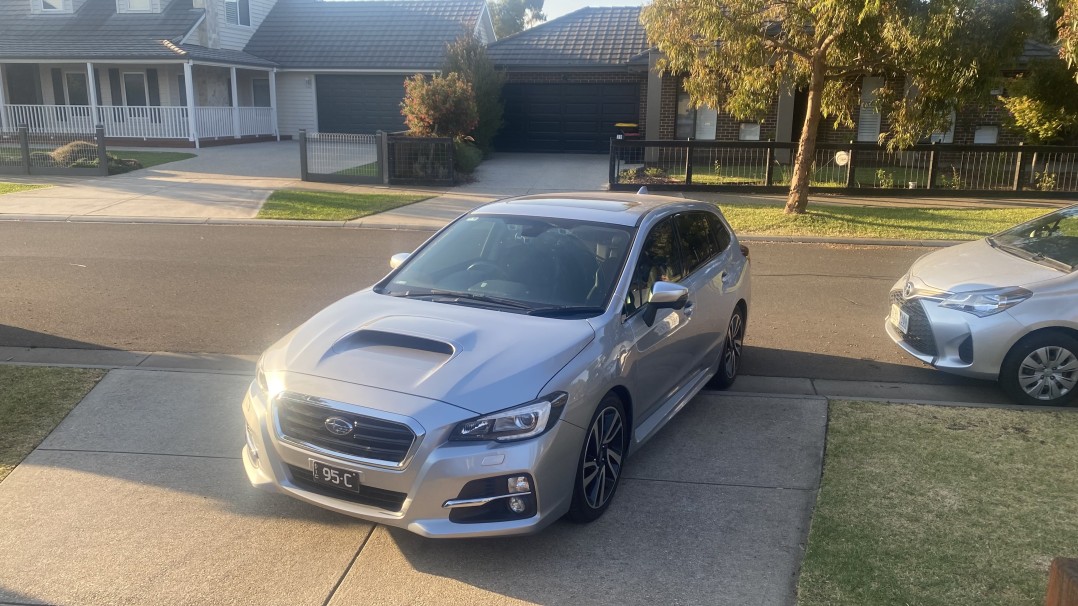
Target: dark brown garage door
x=359, y=104
x=576, y=118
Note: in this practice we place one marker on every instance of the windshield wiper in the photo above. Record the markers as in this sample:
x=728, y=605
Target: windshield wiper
x=1036, y=257
x=452, y=296
x=566, y=310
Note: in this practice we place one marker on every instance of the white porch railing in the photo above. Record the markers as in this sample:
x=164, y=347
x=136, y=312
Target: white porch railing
x=256, y=121
x=141, y=122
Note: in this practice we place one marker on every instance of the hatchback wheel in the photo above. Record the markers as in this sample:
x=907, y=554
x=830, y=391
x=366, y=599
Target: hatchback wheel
x=599, y=470
x=730, y=358
x=1042, y=370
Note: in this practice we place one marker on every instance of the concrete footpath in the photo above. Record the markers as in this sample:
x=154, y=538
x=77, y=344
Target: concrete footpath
x=139, y=497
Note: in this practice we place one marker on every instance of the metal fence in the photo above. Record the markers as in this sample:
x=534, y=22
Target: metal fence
x=379, y=158
x=35, y=153
x=939, y=169
x=420, y=160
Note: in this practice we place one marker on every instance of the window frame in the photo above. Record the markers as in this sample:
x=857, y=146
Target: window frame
x=995, y=135
x=867, y=109
x=240, y=6
x=148, y=9
x=672, y=218
x=254, y=96
x=45, y=8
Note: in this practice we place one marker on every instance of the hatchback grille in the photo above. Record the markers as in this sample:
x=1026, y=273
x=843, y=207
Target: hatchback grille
x=919, y=336
x=372, y=438
x=388, y=500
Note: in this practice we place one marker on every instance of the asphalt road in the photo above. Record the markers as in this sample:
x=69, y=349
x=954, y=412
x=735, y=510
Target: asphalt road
x=817, y=310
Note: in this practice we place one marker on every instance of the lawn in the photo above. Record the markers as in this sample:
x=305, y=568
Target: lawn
x=10, y=188
x=151, y=158
x=330, y=206
x=876, y=222
x=941, y=506
x=34, y=401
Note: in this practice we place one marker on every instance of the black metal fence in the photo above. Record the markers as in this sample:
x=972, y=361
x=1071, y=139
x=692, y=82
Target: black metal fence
x=23, y=152
x=766, y=166
x=380, y=158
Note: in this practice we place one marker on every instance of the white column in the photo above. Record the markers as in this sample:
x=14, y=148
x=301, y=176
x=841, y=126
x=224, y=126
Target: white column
x=235, y=104
x=92, y=86
x=273, y=101
x=3, y=101
x=189, y=84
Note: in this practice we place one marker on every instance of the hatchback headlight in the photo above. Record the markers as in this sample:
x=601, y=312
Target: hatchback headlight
x=517, y=423
x=983, y=303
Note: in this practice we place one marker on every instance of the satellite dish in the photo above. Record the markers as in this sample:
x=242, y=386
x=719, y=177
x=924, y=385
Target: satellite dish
x=842, y=158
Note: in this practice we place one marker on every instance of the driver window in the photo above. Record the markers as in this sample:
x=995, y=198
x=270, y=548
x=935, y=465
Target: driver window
x=660, y=259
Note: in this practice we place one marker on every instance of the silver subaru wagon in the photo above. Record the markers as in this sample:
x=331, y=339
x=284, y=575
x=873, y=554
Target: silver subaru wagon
x=499, y=376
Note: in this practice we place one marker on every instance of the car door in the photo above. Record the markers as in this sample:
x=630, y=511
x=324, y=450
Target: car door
x=702, y=230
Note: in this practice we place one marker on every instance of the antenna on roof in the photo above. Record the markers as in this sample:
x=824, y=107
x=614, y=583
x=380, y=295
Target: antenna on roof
x=643, y=191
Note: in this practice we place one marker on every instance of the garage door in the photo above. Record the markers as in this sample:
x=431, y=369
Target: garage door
x=359, y=104
x=565, y=117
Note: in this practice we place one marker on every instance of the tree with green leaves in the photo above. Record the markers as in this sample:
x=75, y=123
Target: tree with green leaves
x=439, y=106
x=513, y=16
x=737, y=55
x=1042, y=102
x=468, y=58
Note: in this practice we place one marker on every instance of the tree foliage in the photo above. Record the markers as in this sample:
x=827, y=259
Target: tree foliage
x=512, y=16
x=442, y=106
x=1042, y=103
x=467, y=57
x=736, y=55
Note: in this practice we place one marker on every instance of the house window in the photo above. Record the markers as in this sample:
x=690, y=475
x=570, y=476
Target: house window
x=238, y=12
x=694, y=123
x=868, y=120
x=986, y=135
x=78, y=93
x=135, y=94
x=260, y=92
x=138, y=5
x=52, y=5
x=944, y=137
x=749, y=131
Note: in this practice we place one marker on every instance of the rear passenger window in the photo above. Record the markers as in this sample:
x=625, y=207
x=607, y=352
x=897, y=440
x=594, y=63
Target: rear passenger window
x=697, y=245
x=719, y=232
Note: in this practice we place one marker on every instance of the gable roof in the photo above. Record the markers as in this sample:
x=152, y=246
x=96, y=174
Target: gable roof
x=386, y=35
x=94, y=31
x=589, y=37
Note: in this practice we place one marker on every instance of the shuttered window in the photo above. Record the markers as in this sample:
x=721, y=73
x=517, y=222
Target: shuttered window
x=238, y=12
x=868, y=121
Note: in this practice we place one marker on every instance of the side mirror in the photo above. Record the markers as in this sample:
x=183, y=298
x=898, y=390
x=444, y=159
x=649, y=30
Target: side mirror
x=665, y=295
x=396, y=260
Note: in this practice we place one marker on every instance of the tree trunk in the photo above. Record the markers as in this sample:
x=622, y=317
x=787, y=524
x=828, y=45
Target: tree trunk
x=797, y=201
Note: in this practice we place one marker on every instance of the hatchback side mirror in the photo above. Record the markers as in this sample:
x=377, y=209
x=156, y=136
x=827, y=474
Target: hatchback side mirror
x=665, y=295
x=396, y=260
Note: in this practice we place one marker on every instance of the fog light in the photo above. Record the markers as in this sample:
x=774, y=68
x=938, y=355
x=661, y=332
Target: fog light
x=517, y=505
x=251, y=448
x=519, y=484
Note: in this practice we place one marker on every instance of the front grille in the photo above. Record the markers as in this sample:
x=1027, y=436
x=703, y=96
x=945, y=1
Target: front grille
x=388, y=500
x=919, y=336
x=372, y=438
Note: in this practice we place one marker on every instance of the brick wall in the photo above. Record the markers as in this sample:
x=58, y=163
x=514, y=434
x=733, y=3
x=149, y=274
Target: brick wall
x=640, y=78
x=727, y=128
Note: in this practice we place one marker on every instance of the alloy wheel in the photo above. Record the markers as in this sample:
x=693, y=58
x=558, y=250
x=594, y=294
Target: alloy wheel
x=735, y=336
x=1048, y=372
x=603, y=456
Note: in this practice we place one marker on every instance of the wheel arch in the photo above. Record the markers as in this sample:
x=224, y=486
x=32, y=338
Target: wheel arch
x=626, y=398
x=1067, y=330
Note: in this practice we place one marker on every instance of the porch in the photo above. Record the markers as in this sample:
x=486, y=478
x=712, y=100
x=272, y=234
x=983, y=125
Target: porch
x=184, y=103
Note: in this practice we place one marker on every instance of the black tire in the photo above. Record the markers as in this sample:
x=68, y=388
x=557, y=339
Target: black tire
x=592, y=496
x=1042, y=370
x=730, y=356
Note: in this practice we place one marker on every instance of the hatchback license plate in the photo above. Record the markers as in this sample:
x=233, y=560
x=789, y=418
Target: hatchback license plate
x=335, y=477
x=900, y=319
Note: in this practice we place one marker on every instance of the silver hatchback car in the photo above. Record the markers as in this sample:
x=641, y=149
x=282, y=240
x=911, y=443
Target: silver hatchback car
x=1003, y=308
x=500, y=375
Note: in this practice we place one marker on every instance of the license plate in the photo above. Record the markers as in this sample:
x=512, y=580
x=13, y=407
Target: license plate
x=900, y=319
x=335, y=477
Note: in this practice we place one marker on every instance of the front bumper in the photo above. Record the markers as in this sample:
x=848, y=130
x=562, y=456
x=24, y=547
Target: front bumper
x=435, y=473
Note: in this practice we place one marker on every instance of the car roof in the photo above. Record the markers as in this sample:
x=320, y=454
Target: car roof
x=626, y=209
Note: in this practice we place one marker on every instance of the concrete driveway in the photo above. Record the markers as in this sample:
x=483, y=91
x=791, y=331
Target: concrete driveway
x=139, y=497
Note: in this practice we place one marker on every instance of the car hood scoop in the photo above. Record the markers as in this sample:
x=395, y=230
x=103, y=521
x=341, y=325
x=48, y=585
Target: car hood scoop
x=479, y=359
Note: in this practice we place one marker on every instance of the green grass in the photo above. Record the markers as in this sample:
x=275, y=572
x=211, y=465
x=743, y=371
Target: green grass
x=363, y=170
x=876, y=222
x=34, y=400
x=10, y=188
x=151, y=158
x=329, y=205
x=941, y=506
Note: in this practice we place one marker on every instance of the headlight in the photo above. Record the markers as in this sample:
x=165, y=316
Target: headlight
x=983, y=303
x=517, y=423
x=268, y=383
x=260, y=377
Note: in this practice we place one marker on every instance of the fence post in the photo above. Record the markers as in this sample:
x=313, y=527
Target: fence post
x=769, y=168
x=1018, y=170
x=383, y=156
x=850, y=168
x=24, y=146
x=932, y=167
x=688, y=164
x=612, y=175
x=102, y=151
x=452, y=163
x=303, y=174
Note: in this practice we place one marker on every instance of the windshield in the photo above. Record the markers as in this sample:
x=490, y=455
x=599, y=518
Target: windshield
x=1050, y=240
x=521, y=264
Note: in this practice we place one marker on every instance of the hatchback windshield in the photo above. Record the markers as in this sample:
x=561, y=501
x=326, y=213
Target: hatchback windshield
x=1050, y=240
x=524, y=264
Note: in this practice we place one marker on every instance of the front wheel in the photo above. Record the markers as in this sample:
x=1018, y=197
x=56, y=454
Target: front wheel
x=599, y=470
x=1042, y=370
x=730, y=358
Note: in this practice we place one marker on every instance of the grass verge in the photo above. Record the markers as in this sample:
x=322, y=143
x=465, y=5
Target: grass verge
x=34, y=400
x=941, y=506
x=330, y=205
x=876, y=222
x=10, y=188
x=151, y=158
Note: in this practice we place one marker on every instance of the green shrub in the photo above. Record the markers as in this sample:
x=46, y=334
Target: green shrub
x=466, y=157
x=468, y=57
x=439, y=106
x=69, y=154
